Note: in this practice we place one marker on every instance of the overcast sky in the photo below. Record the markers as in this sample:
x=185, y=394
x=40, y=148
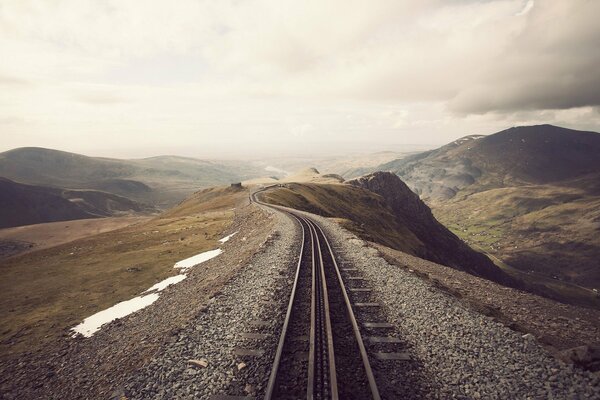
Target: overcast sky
x=251, y=78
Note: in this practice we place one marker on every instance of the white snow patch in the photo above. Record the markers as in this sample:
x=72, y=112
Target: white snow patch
x=162, y=285
x=92, y=324
x=197, y=259
x=226, y=238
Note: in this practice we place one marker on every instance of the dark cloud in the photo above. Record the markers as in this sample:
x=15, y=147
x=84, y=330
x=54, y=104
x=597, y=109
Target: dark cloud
x=554, y=63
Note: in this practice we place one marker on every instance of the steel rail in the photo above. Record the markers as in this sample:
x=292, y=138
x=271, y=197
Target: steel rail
x=328, y=329
x=273, y=377
x=355, y=328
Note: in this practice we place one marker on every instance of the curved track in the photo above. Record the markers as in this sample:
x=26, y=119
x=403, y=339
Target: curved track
x=321, y=354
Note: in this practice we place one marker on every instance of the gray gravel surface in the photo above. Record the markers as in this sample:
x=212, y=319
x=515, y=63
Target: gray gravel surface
x=456, y=352
x=258, y=293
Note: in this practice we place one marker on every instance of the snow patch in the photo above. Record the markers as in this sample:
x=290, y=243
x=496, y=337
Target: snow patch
x=162, y=285
x=197, y=259
x=92, y=324
x=226, y=238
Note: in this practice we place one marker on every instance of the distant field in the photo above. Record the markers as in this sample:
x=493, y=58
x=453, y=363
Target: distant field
x=42, y=236
x=45, y=292
x=544, y=234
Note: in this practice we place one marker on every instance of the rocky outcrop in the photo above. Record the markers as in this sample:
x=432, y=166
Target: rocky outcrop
x=440, y=245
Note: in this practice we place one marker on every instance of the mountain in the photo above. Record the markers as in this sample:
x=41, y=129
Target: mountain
x=22, y=204
x=528, y=196
x=379, y=207
x=523, y=155
x=162, y=181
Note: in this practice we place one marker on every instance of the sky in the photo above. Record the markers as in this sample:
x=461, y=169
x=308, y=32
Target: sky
x=257, y=78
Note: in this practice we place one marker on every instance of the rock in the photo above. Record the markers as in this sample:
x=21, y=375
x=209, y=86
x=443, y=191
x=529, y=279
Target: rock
x=528, y=336
x=587, y=357
x=241, y=366
x=249, y=389
x=201, y=363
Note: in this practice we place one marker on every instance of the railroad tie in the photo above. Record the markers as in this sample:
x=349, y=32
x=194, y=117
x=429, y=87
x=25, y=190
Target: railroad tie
x=378, y=325
x=393, y=356
x=383, y=339
x=365, y=305
x=248, y=352
x=254, y=336
x=258, y=322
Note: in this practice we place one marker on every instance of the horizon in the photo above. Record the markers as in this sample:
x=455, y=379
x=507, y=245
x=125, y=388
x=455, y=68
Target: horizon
x=394, y=148
x=258, y=78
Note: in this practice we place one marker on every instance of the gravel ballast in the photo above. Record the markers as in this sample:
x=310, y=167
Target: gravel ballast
x=457, y=352
x=202, y=359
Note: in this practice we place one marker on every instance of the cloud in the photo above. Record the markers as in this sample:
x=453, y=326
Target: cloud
x=125, y=70
x=13, y=81
x=552, y=63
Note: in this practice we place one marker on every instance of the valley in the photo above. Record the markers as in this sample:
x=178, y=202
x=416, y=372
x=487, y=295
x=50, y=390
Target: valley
x=161, y=181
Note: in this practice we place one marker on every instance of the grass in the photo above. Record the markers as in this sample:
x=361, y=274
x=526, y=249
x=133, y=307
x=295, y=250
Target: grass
x=361, y=211
x=548, y=235
x=44, y=293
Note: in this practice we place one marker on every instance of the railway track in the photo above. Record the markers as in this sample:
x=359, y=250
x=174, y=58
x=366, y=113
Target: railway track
x=320, y=353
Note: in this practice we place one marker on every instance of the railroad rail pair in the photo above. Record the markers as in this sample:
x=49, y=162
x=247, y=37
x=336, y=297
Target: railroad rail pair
x=338, y=365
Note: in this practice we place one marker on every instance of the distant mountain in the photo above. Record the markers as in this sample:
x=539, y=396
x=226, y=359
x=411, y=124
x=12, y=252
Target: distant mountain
x=163, y=180
x=22, y=204
x=523, y=155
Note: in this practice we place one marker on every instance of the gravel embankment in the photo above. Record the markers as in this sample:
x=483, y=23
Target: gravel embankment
x=456, y=352
x=95, y=368
x=257, y=293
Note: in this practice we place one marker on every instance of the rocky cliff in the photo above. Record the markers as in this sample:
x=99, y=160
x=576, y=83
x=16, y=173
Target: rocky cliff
x=440, y=245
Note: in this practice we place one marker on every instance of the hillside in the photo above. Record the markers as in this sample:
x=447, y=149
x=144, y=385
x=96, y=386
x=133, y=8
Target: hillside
x=381, y=208
x=523, y=155
x=162, y=181
x=529, y=196
x=28, y=204
x=45, y=292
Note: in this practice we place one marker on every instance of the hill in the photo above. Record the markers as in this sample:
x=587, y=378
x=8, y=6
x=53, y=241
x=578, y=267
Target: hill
x=161, y=181
x=46, y=292
x=523, y=155
x=22, y=204
x=381, y=208
x=529, y=196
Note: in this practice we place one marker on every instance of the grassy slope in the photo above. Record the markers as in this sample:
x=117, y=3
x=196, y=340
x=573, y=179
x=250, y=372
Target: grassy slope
x=362, y=211
x=43, y=293
x=538, y=231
